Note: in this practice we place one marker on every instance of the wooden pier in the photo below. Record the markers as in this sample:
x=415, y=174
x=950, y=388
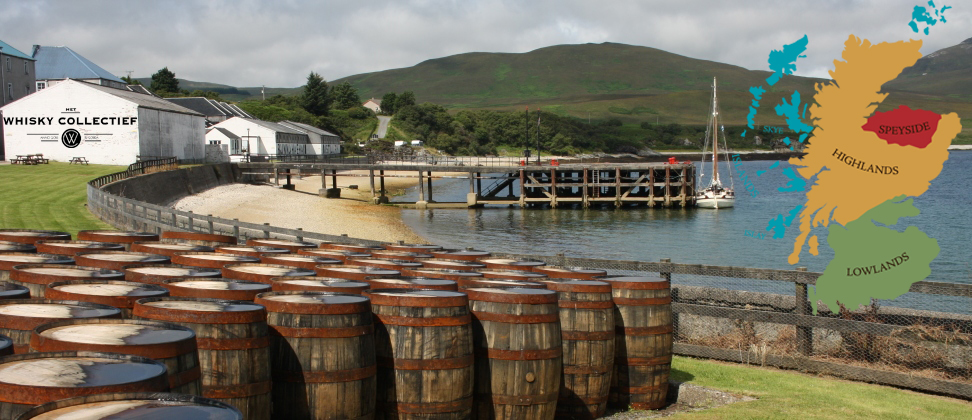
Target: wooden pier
x=579, y=185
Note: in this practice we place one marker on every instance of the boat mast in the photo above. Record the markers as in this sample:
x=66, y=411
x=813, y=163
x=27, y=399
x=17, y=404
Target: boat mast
x=715, y=134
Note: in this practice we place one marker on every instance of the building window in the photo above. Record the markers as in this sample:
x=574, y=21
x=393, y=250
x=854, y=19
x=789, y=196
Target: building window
x=26, y=68
x=215, y=142
x=27, y=89
x=10, y=90
x=41, y=86
x=8, y=64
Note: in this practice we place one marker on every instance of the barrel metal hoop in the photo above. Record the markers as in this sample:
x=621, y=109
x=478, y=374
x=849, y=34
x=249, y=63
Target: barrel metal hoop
x=236, y=390
x=561, y=286
x=440, y=321
x=572, y=400
x=323, y=377
x=516, y=319
x=587, y=335
x=416, y=301
x=639, y=285
x=315, y=309
x=587, y=370
x=179, y=379
x=522, y=399
x=430, y=407
x=151, y=351
x=643, y=361
x=343, y=332
x=487, y=296
x=232, y=343
x=521, y=354
x=430, y=364
x=642, y=389
x=568, y=304
x=648, y=405
x=661, y=329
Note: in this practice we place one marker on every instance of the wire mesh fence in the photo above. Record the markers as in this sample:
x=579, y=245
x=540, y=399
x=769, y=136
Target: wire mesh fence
x=921, y=340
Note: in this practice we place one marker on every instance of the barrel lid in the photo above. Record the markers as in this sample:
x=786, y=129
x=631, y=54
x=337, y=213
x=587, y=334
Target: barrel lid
x=83, y=244
x=321, y=281
x=487, y=282
x=175, y=246
x=47, y=271
x=83, y=369
x=7, y=246
x=405, y=255
x=455, y=265
x=131, y=409
x=428, y=247
x=512, y=273
x=269, y=270
x=281, y=242
x=302, y=258
x=48, y=309
x=31, y=236
x=577, y=270
x=351, y=247
x=512, y=295
x=251, y=250
x=201, y=305
x=9, y=260
x=131, y=406
x=430, y=272
x=219, y=257
x=118, y=233
x=125, y=256
x=108, y=288
x=174, y=271
x=219, y=284
x=417, y=297
x=329, y=252
x=120, y=332
x=363, y=269
x=421, y=281
x=513, y=262
x=314, y=298
x=384, y=262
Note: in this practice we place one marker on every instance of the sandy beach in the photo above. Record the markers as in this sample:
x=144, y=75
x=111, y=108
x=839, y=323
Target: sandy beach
x=352, y=214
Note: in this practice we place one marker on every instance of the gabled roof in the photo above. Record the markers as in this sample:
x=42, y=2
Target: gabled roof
x=141, y=89
x=55, y=63
x=307, y=127
x=7, y=49
x=143, y=101
x=377, y=101
x=237, y=111
x=201, y=105
x=274, y=126
x=227, y=133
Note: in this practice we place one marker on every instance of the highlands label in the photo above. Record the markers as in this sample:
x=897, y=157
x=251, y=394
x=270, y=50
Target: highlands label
x=42, y=121
x=862, y=165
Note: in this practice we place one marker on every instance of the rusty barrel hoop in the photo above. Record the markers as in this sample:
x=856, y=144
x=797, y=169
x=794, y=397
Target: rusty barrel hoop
x=436, y=326
x=155, y=404
x=643, y=324
x=215, y=288
x=318, y=284
x=300, y=322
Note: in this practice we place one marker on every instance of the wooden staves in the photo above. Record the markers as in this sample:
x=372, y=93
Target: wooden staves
x=215, y=288
x=117, y=293
x=135, y=405
x=587, y=328
x=643, y=344
x=171, y=344
x=423, y=342
x=234, y=347
x=27, y=380
x=18, y=317
x=516, y=333
x=322, y=355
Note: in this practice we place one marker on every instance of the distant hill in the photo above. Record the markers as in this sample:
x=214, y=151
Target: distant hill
x=946, y=72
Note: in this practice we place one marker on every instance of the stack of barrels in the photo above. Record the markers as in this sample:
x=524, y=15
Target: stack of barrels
x=290, y=329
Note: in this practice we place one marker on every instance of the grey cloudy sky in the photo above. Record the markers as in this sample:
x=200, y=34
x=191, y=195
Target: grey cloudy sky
x=277, y=43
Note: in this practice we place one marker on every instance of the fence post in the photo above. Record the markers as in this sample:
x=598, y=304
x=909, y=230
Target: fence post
x=674, y=294
x=804, y=335
x=191, y=227
x=300, y=238
x=210, y=224
x=236, y=228
x=266, y=231
x=175, y=221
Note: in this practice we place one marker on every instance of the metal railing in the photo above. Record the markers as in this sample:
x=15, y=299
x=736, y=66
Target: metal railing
x=929, y=349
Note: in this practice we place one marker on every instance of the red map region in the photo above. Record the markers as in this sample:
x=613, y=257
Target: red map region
x=904, y=126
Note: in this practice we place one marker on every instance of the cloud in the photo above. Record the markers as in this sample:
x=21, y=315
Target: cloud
x=277, y=43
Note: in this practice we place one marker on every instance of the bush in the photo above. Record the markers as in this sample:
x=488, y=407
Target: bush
x=360, y=113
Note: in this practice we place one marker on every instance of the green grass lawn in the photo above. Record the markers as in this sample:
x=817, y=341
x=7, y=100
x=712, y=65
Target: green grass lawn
x=791, y=395
x=50, y=197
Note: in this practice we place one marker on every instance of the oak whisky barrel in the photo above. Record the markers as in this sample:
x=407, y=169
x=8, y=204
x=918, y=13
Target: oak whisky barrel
x=410, y=282
x=159, y=273
x=643, y=344
x=318, y=284
x=118, y=260
x=263, y=273
x=587, y=328
x=168, y=249
x=8, y=247
x=215, y=288
x=71, y=248
x=307, y=262
x=423, y=337
x=518, y=275
x=322, y=345
x=234, y=347
x=10, y=260
x=511, y=264
x=28, y=380
x=31, y=236
x=484, y=282
x=211, y=259
x=517, y=336
x=570, y=273
x=171, y=344
x=125, y=238
x=196, y=238
x=354, y=272
x=36, y=277
x=291, y=246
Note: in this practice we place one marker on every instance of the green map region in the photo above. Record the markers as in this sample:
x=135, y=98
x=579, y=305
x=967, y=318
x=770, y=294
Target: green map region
x=871, y=260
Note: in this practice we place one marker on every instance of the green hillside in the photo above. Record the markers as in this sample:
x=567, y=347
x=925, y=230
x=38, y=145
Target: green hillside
x=946, y=72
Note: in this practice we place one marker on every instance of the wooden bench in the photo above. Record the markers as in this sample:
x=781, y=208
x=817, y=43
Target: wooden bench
x=39, y=158
x=79, y=160
x=23, y=160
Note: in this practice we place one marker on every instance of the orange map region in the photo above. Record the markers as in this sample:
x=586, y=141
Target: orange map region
x=855, y=169
x=904, y=126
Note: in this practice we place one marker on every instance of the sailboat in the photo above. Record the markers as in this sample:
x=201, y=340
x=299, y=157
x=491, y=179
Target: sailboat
x=715, y=195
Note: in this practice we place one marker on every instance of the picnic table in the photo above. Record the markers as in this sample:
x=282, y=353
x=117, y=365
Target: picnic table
x=79, y=160
x=29, y=159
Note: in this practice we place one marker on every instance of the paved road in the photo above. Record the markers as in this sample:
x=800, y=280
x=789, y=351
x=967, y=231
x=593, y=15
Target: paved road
x=382, y=126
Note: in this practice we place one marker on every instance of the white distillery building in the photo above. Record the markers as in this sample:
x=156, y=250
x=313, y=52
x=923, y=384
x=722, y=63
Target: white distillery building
x=322, y=141
x=102, y=124
x=260, y=138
